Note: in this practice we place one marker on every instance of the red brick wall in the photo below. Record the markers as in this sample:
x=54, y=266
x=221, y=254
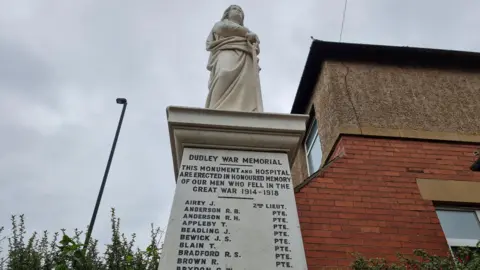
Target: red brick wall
x=368, y=201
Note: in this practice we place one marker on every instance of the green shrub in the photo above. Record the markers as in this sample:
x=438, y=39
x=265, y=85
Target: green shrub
x=465, y=259
x=63, y=252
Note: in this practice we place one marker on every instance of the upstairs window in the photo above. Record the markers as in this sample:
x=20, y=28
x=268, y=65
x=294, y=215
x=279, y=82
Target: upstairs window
x=313, y=148
x=461, y=226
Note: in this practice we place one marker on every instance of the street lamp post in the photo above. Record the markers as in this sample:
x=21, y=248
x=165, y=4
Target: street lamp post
x=122, y=101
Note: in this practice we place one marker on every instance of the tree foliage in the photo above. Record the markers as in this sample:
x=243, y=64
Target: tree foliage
x=60, y=251
x=465, y=259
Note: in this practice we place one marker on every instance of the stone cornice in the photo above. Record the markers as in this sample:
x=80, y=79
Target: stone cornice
x=215, y=129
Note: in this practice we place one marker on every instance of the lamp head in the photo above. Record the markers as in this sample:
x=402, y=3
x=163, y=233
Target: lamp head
x=121, y=101
x=476, y=165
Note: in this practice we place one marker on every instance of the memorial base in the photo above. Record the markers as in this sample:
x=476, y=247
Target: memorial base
x=234, y=206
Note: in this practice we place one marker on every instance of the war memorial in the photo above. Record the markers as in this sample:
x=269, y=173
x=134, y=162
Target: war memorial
x=234, y=206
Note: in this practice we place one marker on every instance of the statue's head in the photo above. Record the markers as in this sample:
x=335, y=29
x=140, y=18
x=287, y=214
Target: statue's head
x=234, y=13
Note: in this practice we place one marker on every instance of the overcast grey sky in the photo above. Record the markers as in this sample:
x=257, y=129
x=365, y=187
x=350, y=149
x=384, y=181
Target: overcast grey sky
x=63, y=63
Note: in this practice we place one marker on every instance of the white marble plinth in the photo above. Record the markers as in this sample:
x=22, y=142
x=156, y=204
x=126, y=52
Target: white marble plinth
x=234, y=205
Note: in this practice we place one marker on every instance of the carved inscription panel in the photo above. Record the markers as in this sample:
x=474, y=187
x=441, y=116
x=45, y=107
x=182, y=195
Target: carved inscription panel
x=233, y=210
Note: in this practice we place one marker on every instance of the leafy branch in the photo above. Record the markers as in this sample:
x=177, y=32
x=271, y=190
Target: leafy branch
x=66, y=252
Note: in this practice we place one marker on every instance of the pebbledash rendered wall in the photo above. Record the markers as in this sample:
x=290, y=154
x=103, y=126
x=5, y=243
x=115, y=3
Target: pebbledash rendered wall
x=368, y=199
x=384, y=100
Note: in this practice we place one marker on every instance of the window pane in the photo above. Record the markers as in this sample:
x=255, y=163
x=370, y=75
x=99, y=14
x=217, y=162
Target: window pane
x=459, y=224
x=315, y=156
x=312, y=133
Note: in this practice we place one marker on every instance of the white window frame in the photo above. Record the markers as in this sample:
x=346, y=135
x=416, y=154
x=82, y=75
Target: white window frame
x=455, y=242
x=308, y=148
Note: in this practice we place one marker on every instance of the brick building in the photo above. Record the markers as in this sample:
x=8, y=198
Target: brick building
x=387, y=162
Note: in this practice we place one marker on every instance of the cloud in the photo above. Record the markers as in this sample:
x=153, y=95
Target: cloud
x=442, y=24
x=63, y=63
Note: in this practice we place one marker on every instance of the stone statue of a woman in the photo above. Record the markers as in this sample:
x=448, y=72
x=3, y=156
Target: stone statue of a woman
x=234, y=82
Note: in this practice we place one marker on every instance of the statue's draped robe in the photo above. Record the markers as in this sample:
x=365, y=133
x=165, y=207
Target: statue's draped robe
x=234, y=82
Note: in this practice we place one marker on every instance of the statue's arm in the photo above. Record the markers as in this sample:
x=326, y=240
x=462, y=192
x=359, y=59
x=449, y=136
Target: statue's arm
x=227, y=29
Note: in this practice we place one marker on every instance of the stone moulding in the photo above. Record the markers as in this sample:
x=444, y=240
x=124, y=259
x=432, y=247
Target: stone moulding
x=233, y=130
